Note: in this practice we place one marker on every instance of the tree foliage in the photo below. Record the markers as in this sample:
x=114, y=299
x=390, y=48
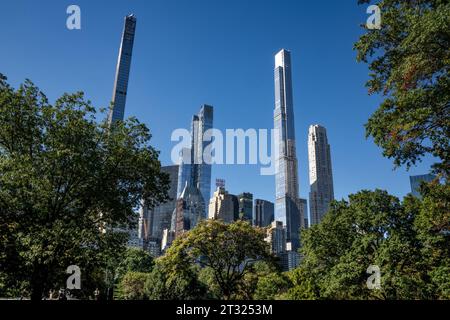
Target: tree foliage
x=65, y=178
x=409, y=60
x=229, y=250
x=408, y=240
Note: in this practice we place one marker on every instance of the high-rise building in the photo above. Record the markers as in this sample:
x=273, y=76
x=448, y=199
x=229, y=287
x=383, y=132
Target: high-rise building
x=264, y=213
x=245, y=206
x=320, y=173
x=303, y=207
x=286, y=175
x=416, y=181
x=153, y=221
x=123, y=70
x=194, y=169
x=276, y=237
x=223, y=206
x=189, y=210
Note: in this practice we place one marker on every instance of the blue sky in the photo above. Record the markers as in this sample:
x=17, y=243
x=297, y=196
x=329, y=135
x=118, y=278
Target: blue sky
x=218, y=52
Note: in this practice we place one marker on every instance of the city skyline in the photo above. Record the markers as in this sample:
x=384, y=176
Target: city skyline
x=149, y=62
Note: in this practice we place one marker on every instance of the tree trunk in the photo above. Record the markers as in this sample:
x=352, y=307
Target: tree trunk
x=38, y=282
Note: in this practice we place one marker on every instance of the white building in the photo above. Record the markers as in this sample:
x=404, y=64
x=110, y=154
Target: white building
x=320, y=173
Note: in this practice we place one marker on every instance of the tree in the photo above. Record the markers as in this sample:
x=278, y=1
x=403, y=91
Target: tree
x=409, y=61
x=67, y=182
x=272, y=286
x=229, y=250
x=175, y=280
x=134, y=260
x=131, y=286
x=372, y=228
x=433, y=231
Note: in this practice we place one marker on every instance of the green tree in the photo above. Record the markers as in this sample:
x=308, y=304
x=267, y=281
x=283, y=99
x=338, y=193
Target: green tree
x=175, y=280
x=433, y=229
x=229, y=250
x=67, y=181
x=272, y=286
x=372, y=228
x=132, y=286
x=409, y=60
x=134, y=260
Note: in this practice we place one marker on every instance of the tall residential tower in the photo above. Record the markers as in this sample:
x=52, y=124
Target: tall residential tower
x=123, y=70
x=194, y=169
x=286, y=175
x=320, y=173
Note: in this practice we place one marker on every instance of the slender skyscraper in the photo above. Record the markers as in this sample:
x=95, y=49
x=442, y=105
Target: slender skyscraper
x=286, y=175
x=320, y=173
x=194, y=169
x=123, y=70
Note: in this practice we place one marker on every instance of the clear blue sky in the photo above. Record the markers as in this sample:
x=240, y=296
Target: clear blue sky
x=218, y=52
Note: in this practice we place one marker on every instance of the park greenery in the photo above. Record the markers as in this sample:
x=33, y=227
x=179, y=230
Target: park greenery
x=70, y=183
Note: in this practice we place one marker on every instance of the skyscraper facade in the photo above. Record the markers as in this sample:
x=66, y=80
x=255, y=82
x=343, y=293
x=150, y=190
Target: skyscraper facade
x=303, y=207
x=123, y=70
x=263, y=213
x=223, y=206
x=194, y=169
x=276, y=237
x=153, y=221
x=189, y=210
x=245, y=206
x=286, y=175
x=320, y=173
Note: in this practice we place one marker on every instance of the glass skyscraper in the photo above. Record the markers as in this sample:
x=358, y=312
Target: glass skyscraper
x=320, y=173
x=123, y=70
x=263, y=214
x=286, y=175
x=195, y=171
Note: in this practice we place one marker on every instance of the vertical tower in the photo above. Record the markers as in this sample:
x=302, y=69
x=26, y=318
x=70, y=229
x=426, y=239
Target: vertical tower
x=263, y=214
x=197, y=172
x=286, y=175
x=202, y=173
x=123, y=70
x=245, y=206
x=320, y=173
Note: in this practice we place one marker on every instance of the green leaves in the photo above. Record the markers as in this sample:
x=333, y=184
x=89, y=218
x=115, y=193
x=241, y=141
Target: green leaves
x=65, y=178
x=228, y=250
x=408, y=240
x=409, y=62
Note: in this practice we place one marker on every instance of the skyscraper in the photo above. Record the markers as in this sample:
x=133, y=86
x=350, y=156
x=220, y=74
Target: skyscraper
x=189, y=210
x=276, y=237
x=153, y=221
x=264, y=213
x=245, y=206
x=223, y=206
x=196, y=170
x=123, y=70
x=303, y=207
x=416, y=181
x=320, y=173
x=286, y=175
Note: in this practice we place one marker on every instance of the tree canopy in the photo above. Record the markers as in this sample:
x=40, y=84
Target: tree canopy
x=66, y=181
x=409, y=60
